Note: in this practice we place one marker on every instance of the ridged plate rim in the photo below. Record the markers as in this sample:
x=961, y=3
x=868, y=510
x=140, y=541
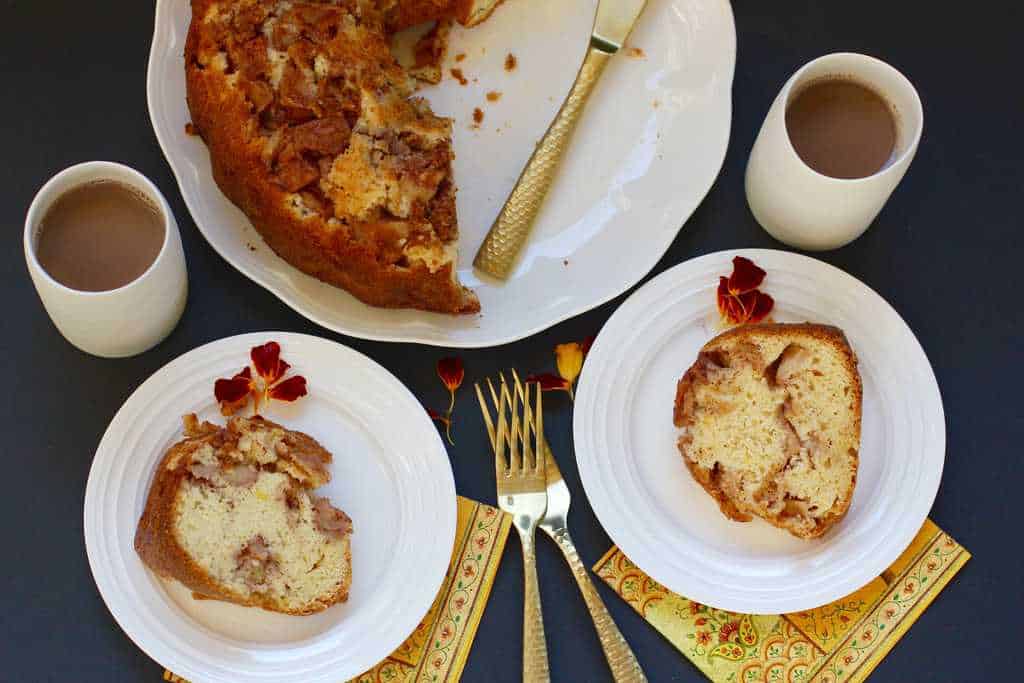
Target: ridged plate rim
x=417, y=470
x=900, y=387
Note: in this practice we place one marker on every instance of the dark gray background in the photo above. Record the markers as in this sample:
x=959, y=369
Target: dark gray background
x=945, y=252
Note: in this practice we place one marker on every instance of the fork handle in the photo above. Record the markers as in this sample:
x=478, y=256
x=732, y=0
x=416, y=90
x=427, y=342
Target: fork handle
x=535, y=648
x=508, y=234
x=621, y=660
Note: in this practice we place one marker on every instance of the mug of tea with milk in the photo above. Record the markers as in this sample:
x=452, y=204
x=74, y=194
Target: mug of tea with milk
x=104, y=253
x=834, y=145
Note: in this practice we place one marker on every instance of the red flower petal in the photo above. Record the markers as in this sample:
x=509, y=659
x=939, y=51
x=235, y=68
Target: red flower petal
x=745, y=276
x=722, y=296
x=289, y=390
x=549, y=382
x=267, y=361
x=451, y=372
x=745, y=304
x=763, y=305
x=739, y=301
x=232, y=390
x=434, y=415
x=734, y=309
x=587, y=343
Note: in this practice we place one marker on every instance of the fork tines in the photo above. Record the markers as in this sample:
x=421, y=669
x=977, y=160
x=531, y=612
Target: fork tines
x=517, y=437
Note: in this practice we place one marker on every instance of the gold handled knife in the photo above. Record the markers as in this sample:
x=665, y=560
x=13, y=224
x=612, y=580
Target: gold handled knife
x=508, y=234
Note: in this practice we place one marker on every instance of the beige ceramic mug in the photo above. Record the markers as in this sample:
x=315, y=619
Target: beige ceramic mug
x=808, y=210
x=118, y=322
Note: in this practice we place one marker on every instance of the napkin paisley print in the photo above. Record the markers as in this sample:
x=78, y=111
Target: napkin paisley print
x=437, y=650
x=839, y=643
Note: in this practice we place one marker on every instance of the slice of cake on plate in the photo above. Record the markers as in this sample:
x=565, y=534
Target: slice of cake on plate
x=230, y=514
x=770, y=420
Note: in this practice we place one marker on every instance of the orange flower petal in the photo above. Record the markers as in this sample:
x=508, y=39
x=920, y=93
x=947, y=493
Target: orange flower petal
x=745, y=276
x=569, y=359
x=451, y=372
x=267, y=361
x=548, y=382
x=290, y=389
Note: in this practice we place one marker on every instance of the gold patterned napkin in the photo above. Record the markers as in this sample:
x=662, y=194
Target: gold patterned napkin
x=437, y=650
x=839, y=643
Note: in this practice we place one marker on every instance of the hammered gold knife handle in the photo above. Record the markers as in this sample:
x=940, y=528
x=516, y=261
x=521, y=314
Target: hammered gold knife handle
x=535, y=647
x=621, y=660
x=511, y=228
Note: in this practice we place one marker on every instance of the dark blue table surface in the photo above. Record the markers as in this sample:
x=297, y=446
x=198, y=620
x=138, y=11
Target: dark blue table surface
x=946, y=252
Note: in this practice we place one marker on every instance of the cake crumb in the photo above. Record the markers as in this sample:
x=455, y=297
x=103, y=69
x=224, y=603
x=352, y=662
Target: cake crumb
x=493, y=96
x=478, y=117
x=656, y=104
x=459, y=76
x=636, y=53
x=252, y=247
x=459, y=57
x=511, y=62
x=190, y=129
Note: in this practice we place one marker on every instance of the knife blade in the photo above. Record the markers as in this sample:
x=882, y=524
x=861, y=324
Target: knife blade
x=614, y=21
x=511, y=229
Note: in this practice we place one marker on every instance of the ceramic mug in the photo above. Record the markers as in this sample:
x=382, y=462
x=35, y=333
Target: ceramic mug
x=808, y=210
x=117, y=322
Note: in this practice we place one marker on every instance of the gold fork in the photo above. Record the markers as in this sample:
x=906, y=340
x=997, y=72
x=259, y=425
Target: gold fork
x=519, y=471
x=623, y=663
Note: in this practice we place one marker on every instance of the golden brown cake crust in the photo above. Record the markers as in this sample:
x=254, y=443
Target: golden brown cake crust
x=710, y=479
x=282, y=184
x=155, y=539
x=467, y=12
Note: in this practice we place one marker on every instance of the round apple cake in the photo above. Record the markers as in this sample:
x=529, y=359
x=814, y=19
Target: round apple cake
x=314, y=132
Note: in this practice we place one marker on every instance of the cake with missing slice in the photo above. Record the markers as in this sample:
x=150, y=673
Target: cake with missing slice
x=769, y=418
x=314, y=133
x=230, y=514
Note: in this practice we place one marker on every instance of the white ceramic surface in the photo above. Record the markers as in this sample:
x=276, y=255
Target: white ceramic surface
x=390, y=473
x=668, y=525
x=645, y=153
x=805, y=209
x=117, y=322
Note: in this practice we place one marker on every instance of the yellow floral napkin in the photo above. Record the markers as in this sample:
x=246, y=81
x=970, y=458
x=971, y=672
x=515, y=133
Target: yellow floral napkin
x=838, y=643
x=437, y=650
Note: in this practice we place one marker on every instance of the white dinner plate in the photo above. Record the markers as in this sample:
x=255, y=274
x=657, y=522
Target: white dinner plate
x=645, y=153
x=668, y=525
x=390, y=473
